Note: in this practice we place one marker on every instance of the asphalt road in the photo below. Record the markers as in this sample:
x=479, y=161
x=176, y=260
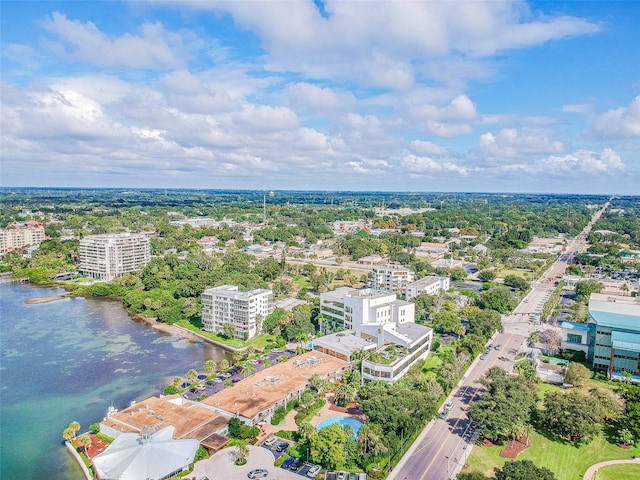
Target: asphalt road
x=442, y=448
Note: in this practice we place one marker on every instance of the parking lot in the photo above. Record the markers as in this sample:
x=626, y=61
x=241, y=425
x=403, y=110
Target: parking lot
x=234, y=375
x=277, y=448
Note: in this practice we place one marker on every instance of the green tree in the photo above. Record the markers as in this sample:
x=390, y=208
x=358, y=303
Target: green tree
x=84, y=441
x=577, y=374
x=229, y=330
x=446, y=321
x=371, y=438
x=224, y=364
x=242, y=452
x=328, y=447
x=177, y=381
x=458, y=274
x=507, y=404
x=516, y=282
x=192, y=375
x=471, y=476
x=344, y=395
x=210, y=366
x=523, y=470
x=487, y=275
x=248, y=369
x=499, y=299
x=572, y=415
x=68, y=433
x=586, y=288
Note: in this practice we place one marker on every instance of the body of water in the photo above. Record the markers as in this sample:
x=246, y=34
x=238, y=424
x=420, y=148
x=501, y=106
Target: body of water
x=69, y=360
x=354, y=423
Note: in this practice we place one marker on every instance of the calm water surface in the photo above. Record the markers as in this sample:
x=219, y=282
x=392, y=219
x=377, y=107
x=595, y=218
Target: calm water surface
x=69, y=360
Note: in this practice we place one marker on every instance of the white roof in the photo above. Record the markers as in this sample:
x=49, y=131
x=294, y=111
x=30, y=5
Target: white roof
x=132, y=457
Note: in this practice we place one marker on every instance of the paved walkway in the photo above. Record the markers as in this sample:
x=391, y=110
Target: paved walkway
x=589, y=475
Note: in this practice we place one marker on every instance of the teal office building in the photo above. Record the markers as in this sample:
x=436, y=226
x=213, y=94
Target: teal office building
x=614, y=335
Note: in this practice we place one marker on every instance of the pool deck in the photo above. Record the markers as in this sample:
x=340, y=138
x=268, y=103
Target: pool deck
x=327, y=411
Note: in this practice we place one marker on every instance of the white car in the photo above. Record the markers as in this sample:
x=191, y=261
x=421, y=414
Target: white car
x=270, y=441
x=313, y=471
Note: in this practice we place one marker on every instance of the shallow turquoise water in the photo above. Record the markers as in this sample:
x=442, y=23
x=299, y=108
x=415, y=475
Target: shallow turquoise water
x=69, y=360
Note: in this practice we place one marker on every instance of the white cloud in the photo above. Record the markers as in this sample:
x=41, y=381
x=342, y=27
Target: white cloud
x=621, y=122
x=580, y=108
x=388, y=43
x=511, y=143
x=312, y=98
x=154, y=48
x=426, y=165
x=427, y=148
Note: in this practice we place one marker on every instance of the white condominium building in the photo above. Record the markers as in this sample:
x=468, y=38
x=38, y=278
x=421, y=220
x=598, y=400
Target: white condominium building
x=14, y=238
x=108, y=256
x=431, y=285
x=227, y=304
x=377, y=320
x=392, y=278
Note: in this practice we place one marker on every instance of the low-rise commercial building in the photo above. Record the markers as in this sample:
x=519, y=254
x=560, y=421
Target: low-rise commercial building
x=105, y=257
x=244, y=310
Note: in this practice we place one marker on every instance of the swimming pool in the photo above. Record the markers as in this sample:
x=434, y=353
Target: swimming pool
x=343, y=422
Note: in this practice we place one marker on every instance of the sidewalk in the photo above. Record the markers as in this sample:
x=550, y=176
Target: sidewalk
x=593, y=469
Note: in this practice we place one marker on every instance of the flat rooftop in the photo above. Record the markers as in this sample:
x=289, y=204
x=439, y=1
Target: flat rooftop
x=345, y=342
x=262, y=390
x=615, y=311
x=188, y=418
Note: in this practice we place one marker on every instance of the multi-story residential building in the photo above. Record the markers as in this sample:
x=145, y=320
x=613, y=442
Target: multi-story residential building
x=14, y=238
x=243, y=310
x=108, y=256
x=614, y=334
x=392, y=278
x=431, y=285
x=380, y=319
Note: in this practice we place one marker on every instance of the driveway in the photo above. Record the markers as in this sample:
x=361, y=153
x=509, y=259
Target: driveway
x=221, y=466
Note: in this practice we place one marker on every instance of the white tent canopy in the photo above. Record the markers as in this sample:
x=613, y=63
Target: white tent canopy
x=145, y=456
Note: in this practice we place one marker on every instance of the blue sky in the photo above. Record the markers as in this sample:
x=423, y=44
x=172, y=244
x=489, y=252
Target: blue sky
x=506, y=96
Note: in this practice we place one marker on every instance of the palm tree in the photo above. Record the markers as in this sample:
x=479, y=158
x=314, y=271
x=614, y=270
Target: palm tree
x=224, y=364
x=68, y=433
x=266, y=362
x=192, y=375
x=242, y=452
x=306, y=430
x=210, y=366
x=460, y=330
x=236, y=357
x=84, y=441
x=177, y=381
x=248, y=369
x=75, y=426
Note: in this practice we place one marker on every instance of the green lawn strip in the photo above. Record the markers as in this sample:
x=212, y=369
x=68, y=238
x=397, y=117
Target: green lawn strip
x=526, y=274
x=565, y=460
x=627, y=471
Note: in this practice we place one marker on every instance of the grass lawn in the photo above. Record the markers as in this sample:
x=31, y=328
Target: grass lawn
x=563, y=459
x=526, y=274
x=619, y=472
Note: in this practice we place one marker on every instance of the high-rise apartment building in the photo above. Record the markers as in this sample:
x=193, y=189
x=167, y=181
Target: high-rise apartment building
x=227, y=304
x=108, y=256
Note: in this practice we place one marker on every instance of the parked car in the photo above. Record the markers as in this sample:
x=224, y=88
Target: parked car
x=287, y=462
x=270, y=441
x=258, y=473
x=483, y=356
x=448, y=405
x=313, y=471
x=342, y=475
x=282, y=447
x=295, y=465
